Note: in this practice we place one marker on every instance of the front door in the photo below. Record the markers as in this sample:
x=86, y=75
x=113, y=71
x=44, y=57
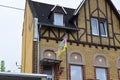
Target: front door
x=49, y=70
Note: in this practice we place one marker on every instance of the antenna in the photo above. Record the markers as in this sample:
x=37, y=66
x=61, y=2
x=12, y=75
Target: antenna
x=19, y=66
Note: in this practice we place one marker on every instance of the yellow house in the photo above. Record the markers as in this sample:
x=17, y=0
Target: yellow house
x=93, y=40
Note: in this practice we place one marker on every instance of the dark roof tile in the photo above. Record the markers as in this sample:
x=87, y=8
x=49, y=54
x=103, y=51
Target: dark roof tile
x=42, y=12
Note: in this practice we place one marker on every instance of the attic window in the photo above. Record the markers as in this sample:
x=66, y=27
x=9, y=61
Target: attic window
x=58, y=19
x=99, y=27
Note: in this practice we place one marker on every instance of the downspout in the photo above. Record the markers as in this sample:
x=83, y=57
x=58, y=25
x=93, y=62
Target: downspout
x=38, y=57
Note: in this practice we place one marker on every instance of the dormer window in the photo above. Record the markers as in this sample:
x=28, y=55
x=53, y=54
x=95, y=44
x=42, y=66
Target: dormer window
x=58, y=19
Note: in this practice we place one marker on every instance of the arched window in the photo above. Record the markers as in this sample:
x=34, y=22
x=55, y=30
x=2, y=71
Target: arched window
x=100, y=61
x=101, y=67
x=49, y=54
x=76, y=66
x=75, y=58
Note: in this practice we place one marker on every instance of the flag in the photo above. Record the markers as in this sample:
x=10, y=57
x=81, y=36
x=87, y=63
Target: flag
x=62, y=47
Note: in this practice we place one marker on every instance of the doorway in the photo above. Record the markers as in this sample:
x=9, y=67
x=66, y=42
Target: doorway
x=49, y=70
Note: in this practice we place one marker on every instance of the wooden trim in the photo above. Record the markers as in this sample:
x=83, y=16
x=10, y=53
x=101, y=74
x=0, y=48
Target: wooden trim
x=44, y=32
x=73, y=36
x=106, y=8
x=77, y=38
x=90, y=21
x=85, y=43
x=116, y=37
x=85, y=22
x=99, y=22
x=53, y=33
x=112, y=27
x=119, y=24
x=81, y=34
x=102, y=13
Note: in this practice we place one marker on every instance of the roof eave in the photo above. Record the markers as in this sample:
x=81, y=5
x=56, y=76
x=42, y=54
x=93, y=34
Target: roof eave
x=60, y=27
x=79, y=7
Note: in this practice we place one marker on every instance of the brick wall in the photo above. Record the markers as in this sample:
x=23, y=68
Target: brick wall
x=35, y=57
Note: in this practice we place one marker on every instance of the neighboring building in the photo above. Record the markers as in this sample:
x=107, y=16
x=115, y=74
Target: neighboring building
x=93, y=32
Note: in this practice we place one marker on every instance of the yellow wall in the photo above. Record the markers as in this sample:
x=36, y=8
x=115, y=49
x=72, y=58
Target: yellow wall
x=89, y=52
x=27, y=41
x=93, y=6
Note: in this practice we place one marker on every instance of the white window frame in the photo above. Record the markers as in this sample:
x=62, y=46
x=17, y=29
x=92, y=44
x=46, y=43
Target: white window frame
x=58, y=19
x=80, y=75
x=98, y=27
x=103, y=74
x=105, y=27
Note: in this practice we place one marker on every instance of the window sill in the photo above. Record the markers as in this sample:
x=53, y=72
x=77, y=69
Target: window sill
x=100, y=36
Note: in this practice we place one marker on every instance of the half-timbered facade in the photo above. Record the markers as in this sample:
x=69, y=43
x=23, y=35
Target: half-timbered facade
x=93, y=40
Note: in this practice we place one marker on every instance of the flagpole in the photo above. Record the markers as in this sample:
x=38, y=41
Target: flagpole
x=66, y=65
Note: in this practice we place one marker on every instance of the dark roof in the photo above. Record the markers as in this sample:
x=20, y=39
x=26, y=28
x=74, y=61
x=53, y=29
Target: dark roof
x=119, y=11
x=43, y=10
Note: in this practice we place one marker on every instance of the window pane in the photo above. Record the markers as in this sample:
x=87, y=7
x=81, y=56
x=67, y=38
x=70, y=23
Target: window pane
x=102, y=28
x=58, y=19
x=76, y=73
x=47, y=70
x=94, y=23
x=101, y=74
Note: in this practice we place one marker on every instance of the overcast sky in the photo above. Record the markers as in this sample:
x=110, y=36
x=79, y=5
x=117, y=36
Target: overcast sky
x=11, y=23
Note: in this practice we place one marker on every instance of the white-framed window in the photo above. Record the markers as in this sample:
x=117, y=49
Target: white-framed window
x=99, y=27
x=101, y=74
x=101, y=66
x=76, y=72
x=76, y=61
x=94, y=24
x=58, y=19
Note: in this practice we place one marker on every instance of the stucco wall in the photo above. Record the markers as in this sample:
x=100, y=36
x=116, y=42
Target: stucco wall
x=27, y=41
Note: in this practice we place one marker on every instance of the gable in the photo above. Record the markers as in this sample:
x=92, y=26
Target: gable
x=105, y=1
x=103, y=13
x=59, y=9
